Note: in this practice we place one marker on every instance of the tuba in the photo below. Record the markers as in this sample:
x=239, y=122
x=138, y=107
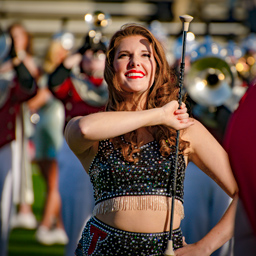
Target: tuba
x=213, y=85
x=210, y=80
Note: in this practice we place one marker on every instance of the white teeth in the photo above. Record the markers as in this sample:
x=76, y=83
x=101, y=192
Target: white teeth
x=134, y=74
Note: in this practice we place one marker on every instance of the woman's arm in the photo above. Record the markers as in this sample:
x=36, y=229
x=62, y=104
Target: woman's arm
x=211, y=158
x=42, y=97
x=82, y=132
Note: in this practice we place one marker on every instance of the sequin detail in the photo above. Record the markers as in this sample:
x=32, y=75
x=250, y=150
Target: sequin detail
x=112, y=176
x=101, y=239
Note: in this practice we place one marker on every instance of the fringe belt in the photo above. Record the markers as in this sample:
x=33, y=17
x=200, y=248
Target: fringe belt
x=149, y=202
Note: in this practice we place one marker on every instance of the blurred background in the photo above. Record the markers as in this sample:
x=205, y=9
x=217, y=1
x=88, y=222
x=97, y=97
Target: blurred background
x=44, y=18
x=225, y=27
x=220, y=59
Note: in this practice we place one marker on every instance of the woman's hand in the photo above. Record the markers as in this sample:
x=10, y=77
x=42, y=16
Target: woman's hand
x=176, y=117
x=190, y=250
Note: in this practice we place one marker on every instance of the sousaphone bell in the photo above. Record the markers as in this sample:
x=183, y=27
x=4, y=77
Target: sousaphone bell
x=210, y=79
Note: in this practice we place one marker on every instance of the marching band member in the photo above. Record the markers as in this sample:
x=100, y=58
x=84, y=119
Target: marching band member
x=17, y=86
x=78, y=82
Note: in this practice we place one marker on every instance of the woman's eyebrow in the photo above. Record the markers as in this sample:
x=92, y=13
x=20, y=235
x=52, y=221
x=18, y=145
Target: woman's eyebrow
x=123, y=51
x=146, y=51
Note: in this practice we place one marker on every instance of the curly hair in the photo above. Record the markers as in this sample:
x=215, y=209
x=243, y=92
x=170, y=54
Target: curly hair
x=163, y=90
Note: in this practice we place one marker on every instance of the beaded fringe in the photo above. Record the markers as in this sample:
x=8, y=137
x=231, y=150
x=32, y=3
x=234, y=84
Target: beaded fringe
x=123, y=203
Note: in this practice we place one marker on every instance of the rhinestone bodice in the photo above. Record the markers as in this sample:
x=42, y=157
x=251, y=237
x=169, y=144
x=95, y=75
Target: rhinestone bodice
x=112, y=176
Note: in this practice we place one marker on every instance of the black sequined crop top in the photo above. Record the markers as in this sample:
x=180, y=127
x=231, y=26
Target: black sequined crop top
x=115, y=178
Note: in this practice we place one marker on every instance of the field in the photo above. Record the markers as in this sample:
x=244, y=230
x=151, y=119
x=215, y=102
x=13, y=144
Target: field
x=22, y=242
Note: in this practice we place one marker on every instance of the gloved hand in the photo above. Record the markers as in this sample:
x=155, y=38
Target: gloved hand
x=12, y=53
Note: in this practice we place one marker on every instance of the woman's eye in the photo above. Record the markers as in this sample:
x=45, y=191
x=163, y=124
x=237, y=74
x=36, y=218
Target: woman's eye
x=122, y=55
x=146, y=55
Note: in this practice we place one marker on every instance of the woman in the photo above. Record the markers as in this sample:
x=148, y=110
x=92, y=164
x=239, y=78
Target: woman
x=23, y=194
x=128, y=152
x=48, y=138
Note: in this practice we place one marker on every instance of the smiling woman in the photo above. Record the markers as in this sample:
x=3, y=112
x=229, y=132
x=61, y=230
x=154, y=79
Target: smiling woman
x=135, y=64
x=129, y=154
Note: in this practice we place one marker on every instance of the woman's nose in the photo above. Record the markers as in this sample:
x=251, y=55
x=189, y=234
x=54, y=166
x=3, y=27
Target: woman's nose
x=134, y=61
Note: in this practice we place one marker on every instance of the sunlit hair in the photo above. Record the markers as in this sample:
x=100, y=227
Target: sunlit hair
x=54, y=56
x=163, y=90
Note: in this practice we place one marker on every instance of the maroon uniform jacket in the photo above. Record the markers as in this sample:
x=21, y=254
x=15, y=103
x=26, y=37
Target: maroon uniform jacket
x=12, y=94
x=81, y=96
x=240, y=144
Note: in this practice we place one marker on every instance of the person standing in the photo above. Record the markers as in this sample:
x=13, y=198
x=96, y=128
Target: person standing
x=48, y=138
x=78, y=82
x=129, y=154
x=239, y=142
x=23, y=216
x=17, y=86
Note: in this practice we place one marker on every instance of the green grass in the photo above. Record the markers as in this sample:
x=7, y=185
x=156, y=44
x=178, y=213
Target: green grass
x=22, y=242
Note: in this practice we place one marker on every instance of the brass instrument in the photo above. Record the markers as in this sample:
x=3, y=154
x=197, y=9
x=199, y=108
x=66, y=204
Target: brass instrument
x=213, y=84
x=210, y=79
x=66, y=39
x=97, y=21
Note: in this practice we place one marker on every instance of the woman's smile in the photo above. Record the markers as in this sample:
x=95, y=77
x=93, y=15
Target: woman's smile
x=134, y=74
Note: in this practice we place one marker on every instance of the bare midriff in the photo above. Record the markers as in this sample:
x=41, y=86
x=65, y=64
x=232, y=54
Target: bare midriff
x=142, y=221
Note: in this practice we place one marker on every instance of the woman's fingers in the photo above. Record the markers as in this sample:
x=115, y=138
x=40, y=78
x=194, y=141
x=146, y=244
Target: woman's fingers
x=176, y=117
x=183, y=116
x=184, y=242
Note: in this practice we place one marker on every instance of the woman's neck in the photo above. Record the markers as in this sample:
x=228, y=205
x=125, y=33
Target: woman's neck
x=136, y=102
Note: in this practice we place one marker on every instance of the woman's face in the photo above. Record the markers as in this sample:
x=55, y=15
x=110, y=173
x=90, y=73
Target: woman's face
x=135, y=64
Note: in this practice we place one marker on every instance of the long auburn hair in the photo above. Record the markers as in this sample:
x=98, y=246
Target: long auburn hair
x=163, y=90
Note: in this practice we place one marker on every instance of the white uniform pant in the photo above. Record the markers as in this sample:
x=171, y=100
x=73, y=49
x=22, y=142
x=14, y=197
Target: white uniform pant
x=5, y=196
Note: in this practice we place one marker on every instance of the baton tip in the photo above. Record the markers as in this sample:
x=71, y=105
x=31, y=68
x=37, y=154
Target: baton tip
x=169, y=250
x=186, y=18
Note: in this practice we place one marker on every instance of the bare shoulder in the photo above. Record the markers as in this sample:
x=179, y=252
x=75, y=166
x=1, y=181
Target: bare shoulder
x=85, y=150
x=196, y=134
x=195, y=129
